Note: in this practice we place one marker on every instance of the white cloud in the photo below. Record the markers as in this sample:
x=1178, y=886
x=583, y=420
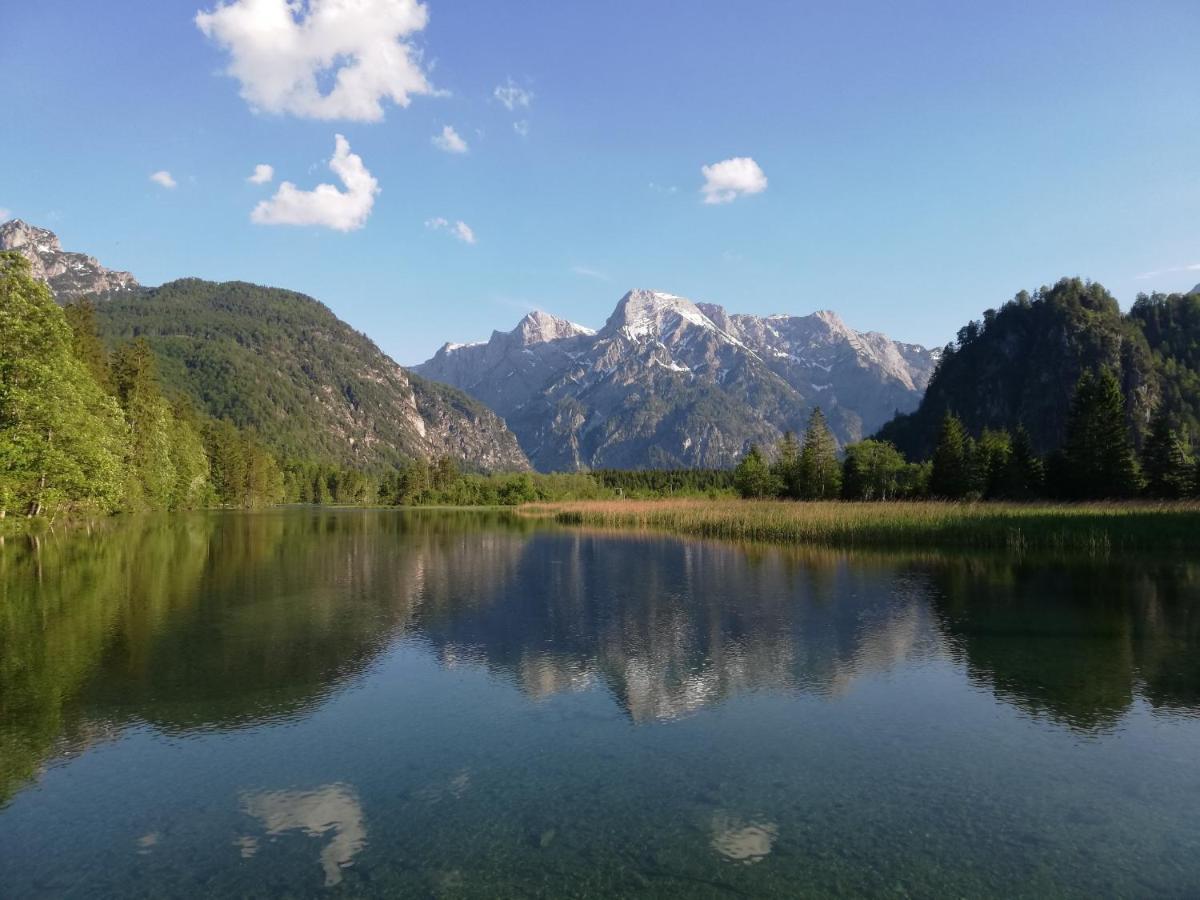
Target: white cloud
x=325, y=205
x=731, y=178
x=1194, y=267
x=460, y=229
x=5, y=214
x=521, y=128
x=262, y=174
x=512, y=96
x=163, y=178
x=588, y=272
x=284, y=51
x=662, y=188
x=450, y=141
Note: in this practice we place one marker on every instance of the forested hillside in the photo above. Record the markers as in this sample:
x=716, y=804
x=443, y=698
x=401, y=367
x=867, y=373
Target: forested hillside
x=309, y=385
x=1020, y=365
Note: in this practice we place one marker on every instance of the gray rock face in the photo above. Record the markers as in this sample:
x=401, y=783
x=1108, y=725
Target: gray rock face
x=668, y=382
x=68, y=274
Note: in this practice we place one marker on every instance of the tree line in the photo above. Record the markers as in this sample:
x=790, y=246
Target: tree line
x=1098, y=460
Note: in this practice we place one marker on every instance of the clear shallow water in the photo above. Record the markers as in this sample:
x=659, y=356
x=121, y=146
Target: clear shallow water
x=321, y=703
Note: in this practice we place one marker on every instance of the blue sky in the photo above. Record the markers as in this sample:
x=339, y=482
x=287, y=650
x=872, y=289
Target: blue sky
x=919, y=161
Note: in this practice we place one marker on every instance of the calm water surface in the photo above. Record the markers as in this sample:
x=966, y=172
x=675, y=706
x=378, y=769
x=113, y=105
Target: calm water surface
x=325, y=704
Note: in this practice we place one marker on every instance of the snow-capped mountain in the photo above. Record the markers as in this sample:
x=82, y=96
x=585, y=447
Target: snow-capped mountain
x=68, y=274
x=669, y=382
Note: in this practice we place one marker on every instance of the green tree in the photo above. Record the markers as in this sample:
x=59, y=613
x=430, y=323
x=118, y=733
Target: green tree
x=1166, y=461
x=785, y=470
x=1099, y=452
x=227, y=458
x=951, y=475
x=1023, y=475
x=150, y=469
x=820, y=472
x=60, y=433
x=86, y=343
x=989, y=462
x=753, y=478
x=872, y=470
x=193, y=486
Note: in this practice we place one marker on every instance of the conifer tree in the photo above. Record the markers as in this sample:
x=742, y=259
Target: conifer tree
x=1166, y=461
x=951, y=476
x=1099, y=452
x=786, y=470
x=86, y=343
x=820, y=473
x=1023, y=474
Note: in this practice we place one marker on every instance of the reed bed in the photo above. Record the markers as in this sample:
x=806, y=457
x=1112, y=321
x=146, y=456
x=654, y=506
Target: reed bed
x=1094, y=528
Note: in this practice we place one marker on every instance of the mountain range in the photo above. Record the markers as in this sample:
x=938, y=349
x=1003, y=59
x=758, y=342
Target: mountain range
x=668, y=382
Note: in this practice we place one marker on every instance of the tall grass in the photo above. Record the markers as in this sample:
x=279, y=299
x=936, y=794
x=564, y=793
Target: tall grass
x=1097, y=528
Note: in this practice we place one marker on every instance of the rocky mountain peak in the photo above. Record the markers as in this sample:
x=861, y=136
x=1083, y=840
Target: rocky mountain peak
x=643, y=314
x=1196, y=289
x=68, y=274
x=540, y=327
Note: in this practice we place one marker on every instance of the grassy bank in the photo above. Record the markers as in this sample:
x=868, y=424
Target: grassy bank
x=1099, y=528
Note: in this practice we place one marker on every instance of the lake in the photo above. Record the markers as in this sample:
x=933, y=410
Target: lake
x=316, y=703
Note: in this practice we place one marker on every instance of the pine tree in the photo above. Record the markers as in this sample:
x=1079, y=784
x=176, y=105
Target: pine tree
x=1166, y=462
x=753, y=478
x=951, y=476
x=86, y=343
x=1099, y=452
x=786, y=468
x=1023, y=475
x=820, y=473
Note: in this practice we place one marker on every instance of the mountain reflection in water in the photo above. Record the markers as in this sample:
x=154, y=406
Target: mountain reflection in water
x=484, y=687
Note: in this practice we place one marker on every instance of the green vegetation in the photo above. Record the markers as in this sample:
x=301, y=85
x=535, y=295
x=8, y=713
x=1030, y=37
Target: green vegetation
x=282, y=365
x=85, y=431
x=1088, y=528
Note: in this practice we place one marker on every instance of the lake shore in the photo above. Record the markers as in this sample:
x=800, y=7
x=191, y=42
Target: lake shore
x=1094, y=528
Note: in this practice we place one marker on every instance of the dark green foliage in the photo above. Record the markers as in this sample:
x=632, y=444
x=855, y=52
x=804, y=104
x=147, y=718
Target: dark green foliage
x=1023, y=476
x=989, y=460
x=950, y=478
x=1171, y=324
x=1020, y=364
x=819, y=470
x=1167, y=462
x=1098, y=450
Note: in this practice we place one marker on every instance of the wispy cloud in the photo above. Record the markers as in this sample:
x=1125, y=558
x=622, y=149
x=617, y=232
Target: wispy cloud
x=163, y=179
x=522, y=127
x=1174, y=270
x=512, y=95
x=325, y=205
x=588, y=272
x=262, y=174
x=663, y=188
x=5, y=214
x=449, y=140
x=461, y=230
x=283, y=53
x=729, y=179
